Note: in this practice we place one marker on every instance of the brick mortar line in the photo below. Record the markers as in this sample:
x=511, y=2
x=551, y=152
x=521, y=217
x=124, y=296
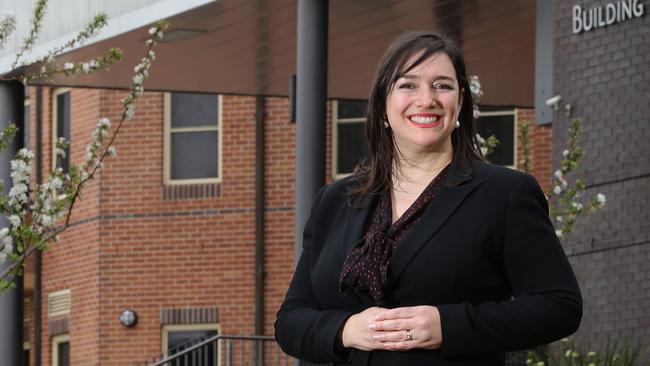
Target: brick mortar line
x=608, y=249
x=177, y=214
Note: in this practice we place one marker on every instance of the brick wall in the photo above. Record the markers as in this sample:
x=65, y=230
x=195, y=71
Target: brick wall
x=604, y=74
x=540, y=147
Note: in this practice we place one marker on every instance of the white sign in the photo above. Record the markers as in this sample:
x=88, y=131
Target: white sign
x=602, y=16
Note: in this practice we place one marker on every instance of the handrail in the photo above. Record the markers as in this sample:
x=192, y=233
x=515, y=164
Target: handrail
x=209, y=341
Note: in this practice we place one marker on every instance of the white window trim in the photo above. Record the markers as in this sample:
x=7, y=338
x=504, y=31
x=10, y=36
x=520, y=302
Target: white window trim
x=167, y=109
x=56, y=340
x=55, y=94
x=186, y=328
x=510, y=112
x=335, y=138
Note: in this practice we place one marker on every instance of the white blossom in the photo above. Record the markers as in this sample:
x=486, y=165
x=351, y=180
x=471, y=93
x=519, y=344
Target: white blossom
x=559, y=233
x=68, y=66
x=565, y=153
x=559, y=218
x=558, y=174
x=59, y=152
x=138, y=79
x=577, y=205
x=130, y=111
x=484, y=150
x=104, y=122
x=111, y=151
x=601, y=198
x=46, y=220
x=14, y=220
x=557, y=189
x=153, y=30
x=85, y=67
x=56, y=183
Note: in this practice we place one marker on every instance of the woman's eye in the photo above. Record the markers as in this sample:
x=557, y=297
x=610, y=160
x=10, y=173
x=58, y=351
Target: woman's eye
x=442, y=86
x=406, y=86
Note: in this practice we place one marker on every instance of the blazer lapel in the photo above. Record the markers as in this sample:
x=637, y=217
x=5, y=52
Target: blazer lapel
x=456, y=188
x=355, y=224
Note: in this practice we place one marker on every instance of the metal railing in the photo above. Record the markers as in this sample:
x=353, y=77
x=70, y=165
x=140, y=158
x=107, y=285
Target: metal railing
x=223, y=350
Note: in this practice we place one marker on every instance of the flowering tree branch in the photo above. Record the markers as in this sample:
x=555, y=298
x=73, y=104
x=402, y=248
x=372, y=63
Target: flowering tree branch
x=33, y=214
x=565, y=206
x=486, y=145
x=49, y=68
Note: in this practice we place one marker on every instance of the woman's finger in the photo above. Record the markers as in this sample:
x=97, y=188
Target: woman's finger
x=397, y=313
x=397, y=336
x=390, y=325
x=399, y=346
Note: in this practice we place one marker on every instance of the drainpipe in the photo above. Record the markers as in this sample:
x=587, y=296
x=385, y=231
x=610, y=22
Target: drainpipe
x=38, y=255
x=259, y=214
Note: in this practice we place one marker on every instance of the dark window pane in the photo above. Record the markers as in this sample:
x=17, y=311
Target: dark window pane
x=352, y=146
x=63, y=126
x=503, y=127
x=178, y=341
x=352, y=108
x=26, y=357
x=191, y=110
x=26, y=126
x=64, y=354
x=194, y=155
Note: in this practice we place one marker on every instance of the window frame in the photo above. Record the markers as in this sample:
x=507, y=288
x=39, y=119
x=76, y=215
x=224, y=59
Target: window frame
x=335, y=139
x=167, y=133
x=56, y=340
x=515, y=123
x=27, y=120
x=55, y=94
x=167, y=328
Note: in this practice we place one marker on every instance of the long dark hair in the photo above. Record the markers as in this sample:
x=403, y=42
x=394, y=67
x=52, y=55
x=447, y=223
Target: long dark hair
x=375, y=175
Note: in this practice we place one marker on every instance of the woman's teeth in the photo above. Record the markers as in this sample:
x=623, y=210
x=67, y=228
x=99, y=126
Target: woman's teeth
x=423, y=120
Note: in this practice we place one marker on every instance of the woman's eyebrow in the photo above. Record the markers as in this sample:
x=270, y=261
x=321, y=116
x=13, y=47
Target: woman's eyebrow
x=440, y=77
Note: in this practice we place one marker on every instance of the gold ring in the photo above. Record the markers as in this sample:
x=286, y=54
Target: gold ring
x=409, y=336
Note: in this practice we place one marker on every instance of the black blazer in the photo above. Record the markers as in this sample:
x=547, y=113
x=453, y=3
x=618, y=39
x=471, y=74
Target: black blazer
x=484, y=253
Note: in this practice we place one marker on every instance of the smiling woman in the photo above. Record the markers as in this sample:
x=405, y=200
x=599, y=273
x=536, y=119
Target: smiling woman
x=427, y=250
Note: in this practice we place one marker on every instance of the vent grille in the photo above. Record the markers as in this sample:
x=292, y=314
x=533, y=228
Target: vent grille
x=58, y=303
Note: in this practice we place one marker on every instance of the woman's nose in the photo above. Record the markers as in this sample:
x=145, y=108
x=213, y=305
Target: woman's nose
x=427, y=97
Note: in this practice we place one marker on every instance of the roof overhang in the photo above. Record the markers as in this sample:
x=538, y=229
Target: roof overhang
x=249, y=46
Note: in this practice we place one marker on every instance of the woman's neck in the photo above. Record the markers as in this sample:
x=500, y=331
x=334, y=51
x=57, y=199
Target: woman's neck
x=419, y=169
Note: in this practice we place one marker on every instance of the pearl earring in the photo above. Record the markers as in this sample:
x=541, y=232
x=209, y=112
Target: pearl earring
x=457, y=124
x=386, y=125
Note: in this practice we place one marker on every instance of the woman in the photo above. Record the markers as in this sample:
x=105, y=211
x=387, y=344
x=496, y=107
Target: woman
x=429, y=255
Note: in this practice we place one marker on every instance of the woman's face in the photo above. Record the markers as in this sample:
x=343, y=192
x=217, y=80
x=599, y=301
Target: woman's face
x=423, y=105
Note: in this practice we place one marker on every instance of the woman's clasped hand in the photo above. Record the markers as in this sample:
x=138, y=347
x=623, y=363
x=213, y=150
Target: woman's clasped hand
x=398, y=329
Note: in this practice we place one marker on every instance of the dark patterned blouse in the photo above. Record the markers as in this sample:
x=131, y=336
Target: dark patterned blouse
x=367, y=266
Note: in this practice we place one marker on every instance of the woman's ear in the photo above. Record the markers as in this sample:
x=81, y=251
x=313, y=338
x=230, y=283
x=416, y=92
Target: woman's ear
x=461, y=95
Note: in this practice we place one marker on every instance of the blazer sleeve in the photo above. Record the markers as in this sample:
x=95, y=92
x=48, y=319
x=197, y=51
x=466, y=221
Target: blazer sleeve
x=546, y=303
x=302, y=329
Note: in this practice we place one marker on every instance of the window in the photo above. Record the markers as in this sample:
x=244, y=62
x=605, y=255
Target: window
x=178, y=337
x=61, y=126
x=26, y=124
x=501, y=124
x=26, y=347
x=349, y=142
x=192, y=138
x=61, y=350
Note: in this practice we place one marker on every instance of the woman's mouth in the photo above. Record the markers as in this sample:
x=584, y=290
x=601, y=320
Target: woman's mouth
x=425, y=120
